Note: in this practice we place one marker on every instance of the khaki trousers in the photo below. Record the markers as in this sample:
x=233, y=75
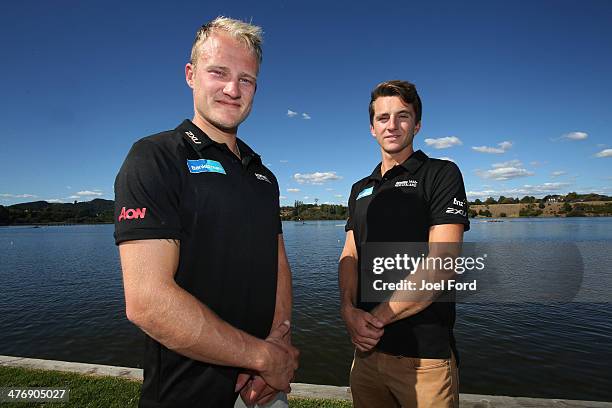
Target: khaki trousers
x=387, y=381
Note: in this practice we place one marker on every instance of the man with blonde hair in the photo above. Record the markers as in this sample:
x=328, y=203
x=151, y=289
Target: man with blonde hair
x=197, y=222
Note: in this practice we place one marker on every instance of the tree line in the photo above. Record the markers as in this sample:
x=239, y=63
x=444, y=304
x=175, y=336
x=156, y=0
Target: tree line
x=100, y=211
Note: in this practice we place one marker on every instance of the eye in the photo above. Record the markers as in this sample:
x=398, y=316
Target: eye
x=247, y=81
x=217, y=73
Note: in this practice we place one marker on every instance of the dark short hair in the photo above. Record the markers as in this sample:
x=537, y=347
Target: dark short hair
x=404, y=89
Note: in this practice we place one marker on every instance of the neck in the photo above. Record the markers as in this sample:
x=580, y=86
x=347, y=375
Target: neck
x=390, y=160
x=227, y=136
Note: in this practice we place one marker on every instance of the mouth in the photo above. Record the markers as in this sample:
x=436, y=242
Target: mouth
x=230, y=104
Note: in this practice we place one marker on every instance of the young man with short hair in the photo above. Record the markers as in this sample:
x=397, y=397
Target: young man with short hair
x=405, y=350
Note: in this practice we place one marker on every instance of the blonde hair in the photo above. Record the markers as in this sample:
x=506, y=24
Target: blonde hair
x=250, y=35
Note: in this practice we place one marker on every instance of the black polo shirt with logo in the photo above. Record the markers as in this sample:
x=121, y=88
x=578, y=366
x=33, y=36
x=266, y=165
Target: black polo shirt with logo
x=401, y=207
x=182, y=185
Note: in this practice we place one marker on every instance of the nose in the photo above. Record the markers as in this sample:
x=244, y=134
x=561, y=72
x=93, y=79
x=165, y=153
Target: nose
x=232, y=89
x=392, y=123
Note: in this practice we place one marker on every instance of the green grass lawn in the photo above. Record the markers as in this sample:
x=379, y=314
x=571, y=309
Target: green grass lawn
x=103, y=392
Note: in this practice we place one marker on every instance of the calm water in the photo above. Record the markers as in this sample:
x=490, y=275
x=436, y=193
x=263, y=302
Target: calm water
x=62, y=299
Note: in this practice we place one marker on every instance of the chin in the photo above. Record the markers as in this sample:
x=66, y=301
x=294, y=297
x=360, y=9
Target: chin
x=226, y=125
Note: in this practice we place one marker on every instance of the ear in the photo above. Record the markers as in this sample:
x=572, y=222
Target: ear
x=417, y=127
x=189, y=74
x=372, y=131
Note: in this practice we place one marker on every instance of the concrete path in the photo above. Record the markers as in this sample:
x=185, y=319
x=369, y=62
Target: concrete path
x=303, y=390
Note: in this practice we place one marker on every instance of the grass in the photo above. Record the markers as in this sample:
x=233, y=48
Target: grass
x=88, y=391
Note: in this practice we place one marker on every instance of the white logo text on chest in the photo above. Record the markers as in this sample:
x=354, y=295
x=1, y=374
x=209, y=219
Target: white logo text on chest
x=406, y=183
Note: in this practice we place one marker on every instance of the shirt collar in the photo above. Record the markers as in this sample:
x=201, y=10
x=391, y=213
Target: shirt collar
x=200, y=140
x=411, y=165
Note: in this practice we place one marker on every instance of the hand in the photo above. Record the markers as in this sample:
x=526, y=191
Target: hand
x=281, y=359
x=365, y=329
x=254, y=390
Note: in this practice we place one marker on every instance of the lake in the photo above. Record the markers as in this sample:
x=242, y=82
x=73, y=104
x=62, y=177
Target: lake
x=62, y=299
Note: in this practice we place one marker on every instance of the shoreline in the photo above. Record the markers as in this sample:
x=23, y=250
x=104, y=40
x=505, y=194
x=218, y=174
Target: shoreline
x=299, y=390
x=478, y=217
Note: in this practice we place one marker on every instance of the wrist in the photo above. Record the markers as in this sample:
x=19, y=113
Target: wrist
x=260, y=356
x=383, y=313
x=346, y=307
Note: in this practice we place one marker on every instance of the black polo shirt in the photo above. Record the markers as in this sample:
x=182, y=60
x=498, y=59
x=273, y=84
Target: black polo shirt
x=401, y=207
x=182, y=185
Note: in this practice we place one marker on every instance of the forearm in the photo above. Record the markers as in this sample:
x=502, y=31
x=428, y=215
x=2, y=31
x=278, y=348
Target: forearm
x=181, y=323
x=284, y=298
x=390, y=312
x=347, y=281
x=444, y=241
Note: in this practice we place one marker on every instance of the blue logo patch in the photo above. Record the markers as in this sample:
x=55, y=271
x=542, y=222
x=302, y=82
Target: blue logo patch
x=365, y=192
x=205, y=166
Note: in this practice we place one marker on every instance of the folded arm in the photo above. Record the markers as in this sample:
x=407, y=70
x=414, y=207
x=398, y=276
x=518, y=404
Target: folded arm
x=392, y=311
x=179, y=321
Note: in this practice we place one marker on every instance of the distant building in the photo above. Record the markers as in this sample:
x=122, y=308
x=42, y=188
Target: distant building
x=554, y=199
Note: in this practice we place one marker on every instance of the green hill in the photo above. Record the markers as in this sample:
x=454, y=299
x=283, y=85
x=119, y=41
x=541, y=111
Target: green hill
x=41, y=212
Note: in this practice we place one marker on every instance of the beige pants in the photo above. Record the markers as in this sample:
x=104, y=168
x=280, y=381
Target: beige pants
x=386, y=381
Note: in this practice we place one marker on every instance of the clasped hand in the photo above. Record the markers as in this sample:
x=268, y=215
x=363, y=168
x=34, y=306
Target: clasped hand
x=281, y=363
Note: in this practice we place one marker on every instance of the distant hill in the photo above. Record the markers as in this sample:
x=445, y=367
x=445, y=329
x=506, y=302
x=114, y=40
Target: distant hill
x=42, y=212
x=101, y=211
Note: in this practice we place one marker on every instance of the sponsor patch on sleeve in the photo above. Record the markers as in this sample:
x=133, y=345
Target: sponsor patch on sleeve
x=457, y=208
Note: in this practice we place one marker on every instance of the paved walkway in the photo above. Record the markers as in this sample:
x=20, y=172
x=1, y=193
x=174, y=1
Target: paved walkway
x=303, y=390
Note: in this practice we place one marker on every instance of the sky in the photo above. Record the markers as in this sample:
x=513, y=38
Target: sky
x=518, y=94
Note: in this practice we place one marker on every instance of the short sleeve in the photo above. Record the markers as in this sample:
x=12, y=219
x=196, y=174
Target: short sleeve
x=280, y=223
x=147, y=195
x=351, y=210
x=448, y=203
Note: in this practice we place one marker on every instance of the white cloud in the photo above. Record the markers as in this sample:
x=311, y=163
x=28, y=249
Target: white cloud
x=54, y=200
x=444, y=142
x=89, y=193
x=338, y=196
x=282, y=197
x=527, y=189
x=291, y=113
x=316, y=178
x=509, y=163
x=503, y=147
x=306, y=197
x=505, y=171
x=604, y=153
x=8, y=195
x=305, y=116
x=329, y=189
x=293, y=190
x=575, y=136
x=558, y=173
x=284, y=161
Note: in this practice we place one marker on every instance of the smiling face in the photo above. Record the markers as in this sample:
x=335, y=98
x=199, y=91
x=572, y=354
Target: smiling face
x=393, y=125
x=223, y=79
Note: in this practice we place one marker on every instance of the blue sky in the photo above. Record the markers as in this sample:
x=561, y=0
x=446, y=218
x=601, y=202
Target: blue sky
x=518, y=94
